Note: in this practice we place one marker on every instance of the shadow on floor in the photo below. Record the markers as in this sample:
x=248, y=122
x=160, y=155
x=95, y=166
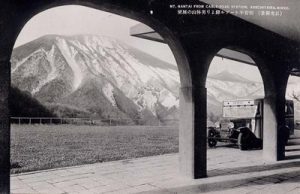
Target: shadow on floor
x=292, y=157
x=230, y=184
x=294, y=138
x=292, y=150
x=257, y=179
x=224, y=145
x=247, y=169
x=293, y=143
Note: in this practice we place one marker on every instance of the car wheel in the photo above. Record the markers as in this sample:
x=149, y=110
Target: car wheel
x=212, y=143
x=211, y=132
x=241, y=143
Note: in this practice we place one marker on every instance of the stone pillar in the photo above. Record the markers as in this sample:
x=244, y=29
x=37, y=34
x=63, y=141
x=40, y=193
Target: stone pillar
x=274, y=118
x=4, y=127
x=273, y=134
x=192, y=132
x=270, y=132
x=7, y=39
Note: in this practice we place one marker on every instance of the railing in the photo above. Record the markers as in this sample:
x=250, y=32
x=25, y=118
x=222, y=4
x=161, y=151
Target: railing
x=90, y=121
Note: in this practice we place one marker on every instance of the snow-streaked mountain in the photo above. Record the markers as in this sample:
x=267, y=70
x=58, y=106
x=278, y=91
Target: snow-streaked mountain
x=97, y=76
x=227, y=76
x=226, y=85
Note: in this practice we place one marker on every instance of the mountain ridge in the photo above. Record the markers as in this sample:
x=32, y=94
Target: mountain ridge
x=65, y=64
x=225, y=75
x=60, y=70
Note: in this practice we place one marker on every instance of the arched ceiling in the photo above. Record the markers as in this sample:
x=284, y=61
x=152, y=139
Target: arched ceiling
x=287, y=25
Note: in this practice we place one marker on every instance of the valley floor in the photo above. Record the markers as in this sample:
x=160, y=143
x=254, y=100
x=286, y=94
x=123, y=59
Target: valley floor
x=39, y=147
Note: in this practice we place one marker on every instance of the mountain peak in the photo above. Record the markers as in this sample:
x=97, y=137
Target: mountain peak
x=95, y=73
x=226, y=75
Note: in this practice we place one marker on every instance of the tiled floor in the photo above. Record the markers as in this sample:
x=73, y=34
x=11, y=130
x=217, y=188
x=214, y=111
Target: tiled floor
x=229, y=171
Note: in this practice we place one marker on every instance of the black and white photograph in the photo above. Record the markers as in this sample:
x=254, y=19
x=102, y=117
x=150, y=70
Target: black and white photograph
x=150, y=96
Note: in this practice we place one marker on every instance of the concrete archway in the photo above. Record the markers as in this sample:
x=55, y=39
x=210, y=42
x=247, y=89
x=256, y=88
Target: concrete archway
x=275, y=83
x=235, y=69
x=14, y=29
x=194, y=42
x=234, y=76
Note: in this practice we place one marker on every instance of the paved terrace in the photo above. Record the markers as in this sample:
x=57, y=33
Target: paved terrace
x=229, y=171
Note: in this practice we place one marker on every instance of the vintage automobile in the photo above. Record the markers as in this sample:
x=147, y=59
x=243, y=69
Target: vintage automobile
x=224, y=132
x=234, y=131
x=242, y=123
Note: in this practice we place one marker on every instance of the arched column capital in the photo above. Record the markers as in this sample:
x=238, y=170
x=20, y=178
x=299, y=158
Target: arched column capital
x=199, y=54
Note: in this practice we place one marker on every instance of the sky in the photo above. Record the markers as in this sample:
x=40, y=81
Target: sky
x=74, y=19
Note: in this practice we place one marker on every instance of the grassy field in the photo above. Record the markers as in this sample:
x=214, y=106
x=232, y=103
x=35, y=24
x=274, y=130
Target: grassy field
x=36, y=147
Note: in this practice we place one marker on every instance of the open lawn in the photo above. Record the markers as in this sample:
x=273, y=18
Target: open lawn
x=36, y=147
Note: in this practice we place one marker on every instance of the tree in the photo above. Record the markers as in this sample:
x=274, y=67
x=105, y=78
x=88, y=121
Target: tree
x=296, y=96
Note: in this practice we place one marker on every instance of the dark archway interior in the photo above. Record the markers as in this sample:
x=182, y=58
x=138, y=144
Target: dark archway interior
x=194, y=42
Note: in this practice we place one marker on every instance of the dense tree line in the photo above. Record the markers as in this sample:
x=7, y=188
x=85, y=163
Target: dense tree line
x=22, y=104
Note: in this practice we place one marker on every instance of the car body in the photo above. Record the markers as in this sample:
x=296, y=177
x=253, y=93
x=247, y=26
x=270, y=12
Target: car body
x=233, y=132
x=242, y=123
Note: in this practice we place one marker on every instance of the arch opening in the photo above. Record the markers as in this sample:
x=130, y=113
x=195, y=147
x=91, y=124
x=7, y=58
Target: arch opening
x=293, y=93
x=61, y=77
x=235, y=94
